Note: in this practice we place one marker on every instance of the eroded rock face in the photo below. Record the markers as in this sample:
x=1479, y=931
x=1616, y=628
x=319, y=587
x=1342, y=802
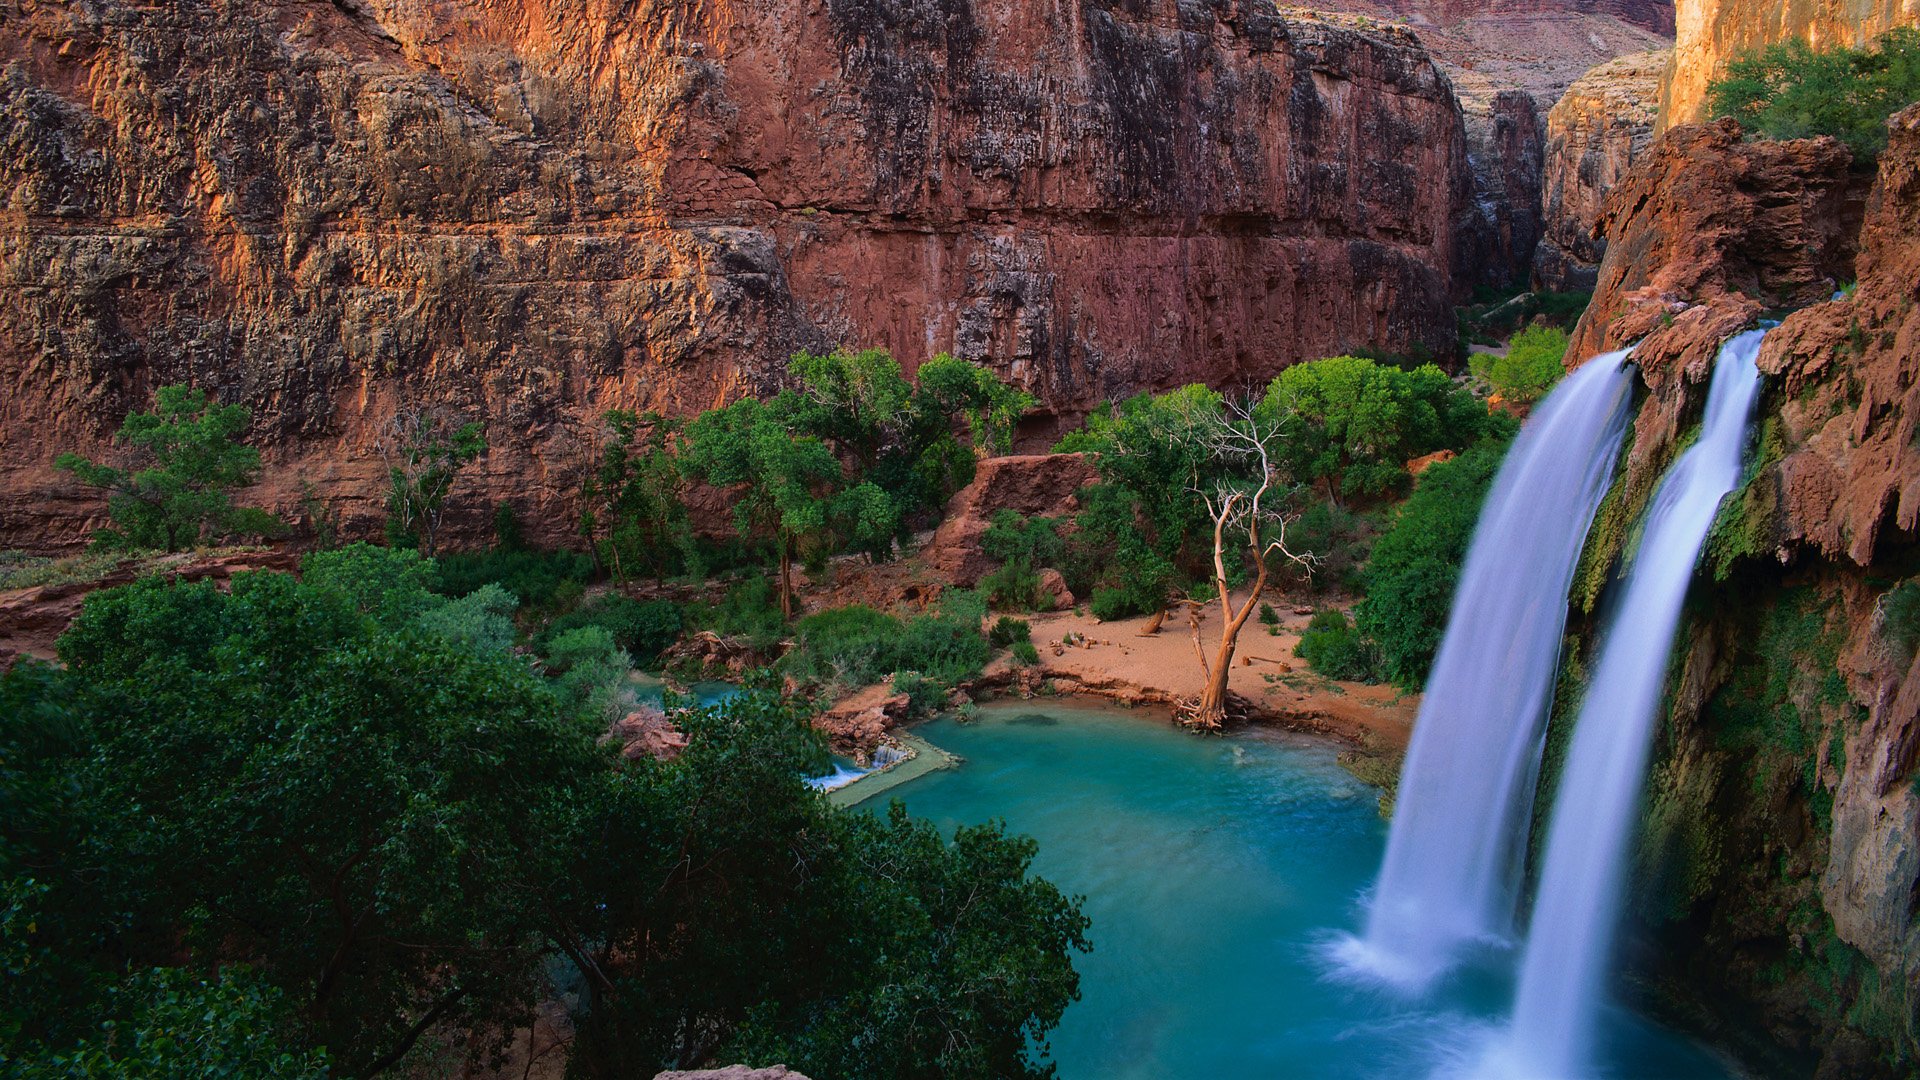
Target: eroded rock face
x=531, y=213
x=1710, y=33
x=1781, y=851
x=1594, y=133
x=1032, y=485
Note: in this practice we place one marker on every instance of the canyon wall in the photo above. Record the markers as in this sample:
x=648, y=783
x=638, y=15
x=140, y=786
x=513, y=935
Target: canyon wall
x=1594, y=133
x=1775, y=889
x=1710, y=33
x=527, y=213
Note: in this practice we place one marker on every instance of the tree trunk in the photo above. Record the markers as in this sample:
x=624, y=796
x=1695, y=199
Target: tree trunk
x=1153, y=624
x=786, y=580
x=1211, y=711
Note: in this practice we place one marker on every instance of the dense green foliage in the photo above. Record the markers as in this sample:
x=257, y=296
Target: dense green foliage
x=1900, y=615
x=183, y=495
x=643, y=628
x=858, y=646
x=1791, y=90
x=541, y=580
x=403, y=833
x=1023, y=546
x=1415, y=565
x=1332, y=647
x=1353, y=424
x=633, y=502
x=1532, y=364
x=1494, y=315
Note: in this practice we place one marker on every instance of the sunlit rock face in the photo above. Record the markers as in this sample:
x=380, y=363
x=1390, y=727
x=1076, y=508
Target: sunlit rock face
x=1780, y=851
x=1594, y=133
x=1710, y=33
x=532, y=212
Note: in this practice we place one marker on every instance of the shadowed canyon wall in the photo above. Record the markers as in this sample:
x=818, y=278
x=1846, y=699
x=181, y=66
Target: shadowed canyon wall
x=1780, y=857
x=532, y=212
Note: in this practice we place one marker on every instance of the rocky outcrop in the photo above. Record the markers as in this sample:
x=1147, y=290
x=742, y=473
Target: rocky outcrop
x=1775, y=892
x=1504, y=145
x=335, y=211
x=1707, y=226
x=1594, y=133
x=1033, y=485
x=1710, y=33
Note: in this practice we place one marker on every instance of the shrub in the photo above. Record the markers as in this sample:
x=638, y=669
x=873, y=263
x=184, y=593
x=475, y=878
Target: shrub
x=1332, y=647
x=858, y=646
x=1109, y=603
x=644, y=629
x=925, y=695
x=1792, y=91
x=1268, y=616
x=1016, y=587
x=1532, y=364
x=592, y=670
x=541, y=580
x=1411, y=577
x=1007, y=630
x=1011, y=536
x=1353, y=424
x=482, y=620
x=1900, y=610
x=749, y=609
x=1025, y=654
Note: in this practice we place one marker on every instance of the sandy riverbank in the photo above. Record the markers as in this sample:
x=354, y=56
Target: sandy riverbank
x=1118, y=663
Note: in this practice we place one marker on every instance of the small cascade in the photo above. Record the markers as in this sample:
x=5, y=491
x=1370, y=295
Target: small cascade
x=1452, y=868
x=1570, y=941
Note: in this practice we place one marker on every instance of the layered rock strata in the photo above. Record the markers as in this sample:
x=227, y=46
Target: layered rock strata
x=1594, y=132
x=335, y=212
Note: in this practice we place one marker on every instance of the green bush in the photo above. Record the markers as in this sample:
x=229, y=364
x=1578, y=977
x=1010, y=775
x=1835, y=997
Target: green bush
x=925, y=696
x=1792, y=91
x=1532, y=364
x=1007, y=630
x=1109, y=603
x=1025, y=654
x=1332, y=647
x=482, y=620
x=541, y=580
x=1016, y=587
x=1411, y=576
x=1900, y=610
x=1268, y=616
x=644, y=629
x=591, y=669
x=1011, y=536
x=858, y=646
x=183, y=495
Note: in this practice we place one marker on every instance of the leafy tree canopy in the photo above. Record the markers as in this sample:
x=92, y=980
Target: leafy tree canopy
x=183, y=496
x=1791, y=90
x=1352, y=424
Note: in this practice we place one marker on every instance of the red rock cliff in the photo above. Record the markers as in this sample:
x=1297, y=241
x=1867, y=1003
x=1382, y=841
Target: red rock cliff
x=535, y=211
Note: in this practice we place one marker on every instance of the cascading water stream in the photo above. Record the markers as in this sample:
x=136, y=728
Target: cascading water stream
x=1452, y=868
x=1570, y=940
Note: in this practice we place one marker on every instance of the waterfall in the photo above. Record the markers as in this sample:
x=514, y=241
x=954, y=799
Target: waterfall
x=1570, y=940
x=1452, y=868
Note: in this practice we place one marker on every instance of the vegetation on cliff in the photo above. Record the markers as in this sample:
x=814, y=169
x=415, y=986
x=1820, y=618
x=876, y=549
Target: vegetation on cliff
x=1791, y=90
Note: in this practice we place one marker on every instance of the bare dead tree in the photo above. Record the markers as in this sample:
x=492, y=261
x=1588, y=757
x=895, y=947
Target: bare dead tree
x=1251, y=506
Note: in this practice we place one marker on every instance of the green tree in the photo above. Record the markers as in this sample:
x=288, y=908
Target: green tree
x=184, y=495
x=1353, y=424
x=786, y=479
x=425, y=453
x=633, y=507
x=1416, y=564
x=1534, y=361
x=1791, y=90
x=357, y=810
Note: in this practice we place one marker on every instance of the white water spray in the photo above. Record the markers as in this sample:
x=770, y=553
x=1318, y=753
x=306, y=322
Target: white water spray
x=1570, y=942
x=1452, y=867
